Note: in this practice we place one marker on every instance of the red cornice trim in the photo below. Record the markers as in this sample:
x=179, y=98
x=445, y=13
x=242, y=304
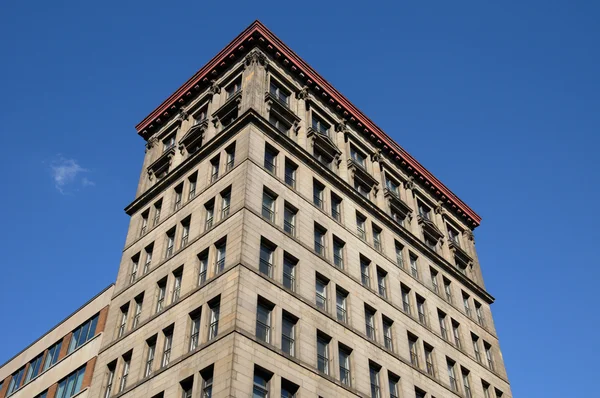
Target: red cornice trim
x=344, y=105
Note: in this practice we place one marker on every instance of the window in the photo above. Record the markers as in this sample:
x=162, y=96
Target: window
x=52, y=356
x=429, y=359
x=270, y=159
x=263, y=320
x=393, y=382
x=148, y=262
x=320, y=240
x=125, y=372
x=361, y=228
x=279, y=124
x=83, y=333
x=336, y=207
x=207, y=382
x=434, y=280
x=194, y=329
x=289, y=219
x=456, y=333
x=399, y=255
x=447, y=290
x=288, y=389
x=405, y=291
x=170, y=243
x=452, y=374
x=358, y=157
x=220, y=259
x=319, y=125
x=424, y=211
x=278, y=92
x=110, y=379
x=488, y=355
x=123, y=323
x=214, y=168
x=177, y=275
x=71, y=384
x=419, y=393
x=365, y=278
x=381, y=282
x=421, y=310
x=192, y=183
x=139, y=301
x=413, y=348
x=151, y=351
x=178, y=197
x=289, y=272
x=466, y=384
x=387, y=334
x=498, y=393
x=202, y=266
x=185, y=233
x=290, y=173
x=230, y=157
x=162, y=292
x=442, y=321
x=377, y=238
x=398, y=217
x=362, y=189
x=374, y=376
x=288, y=334
x=323, y=352
x=479, y=313
x=267, y=252
x=318, y=194
x=414, y=270
x=225, y=202
x=323, y=158
x=475, y=340
x=338, y=252
x=144, y=228
x=453, y=235
x=169, y=142
x=157, y=209
x=344, y=358
x=186, y=387
x=486, y=389
x=210, y=214
x=430, y=243
x=261, y=383
x=213, y=328
x=135, y=260
x=392, y=186
x=370, y=323
x=268, y=206
x=166, y=357
x=34, y=368
x=321, y=292
x=15, y=381
x=466, y=306
x=341, y=298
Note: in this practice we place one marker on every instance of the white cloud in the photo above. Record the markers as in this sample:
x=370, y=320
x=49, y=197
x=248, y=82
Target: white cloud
x=67, y=172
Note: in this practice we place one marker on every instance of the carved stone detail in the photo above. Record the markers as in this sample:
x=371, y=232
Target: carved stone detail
x=183, y=115
x=341, y=127
x=303, y=93
x=467, y=233
x=439, y=208
x=151, y=142
x=377, y=156
x=214, y=88
x=410, y=183
x=256, y=57
x=215, y=121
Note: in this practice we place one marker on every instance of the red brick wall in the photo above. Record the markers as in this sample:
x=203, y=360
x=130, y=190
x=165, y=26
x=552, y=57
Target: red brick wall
x=101, y=320
x=89, y=372
x=65, y=346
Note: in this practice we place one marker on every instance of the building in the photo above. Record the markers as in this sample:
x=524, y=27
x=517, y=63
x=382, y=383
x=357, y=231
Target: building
x=280, y=243
x=60, y=363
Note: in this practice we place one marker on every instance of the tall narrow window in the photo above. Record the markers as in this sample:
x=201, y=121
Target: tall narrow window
x=447, y=290
x=210, y=214
x=321, y=292
x=289, y=272
x=393, y=382
x=456, y=333
x=377, y=243
x=202, y=267
x=413, y=348
x=442, y=321
x=230, y=157
x=429, y=362
x=144, y=227
x=270, y=159
x=486, y=389
x=381, y=282
x=166, y=357
x=387, y=334
x=452, y=374
x=178, y=197
x=225, y=202
x=193, y=179
x=185, y=231
x=162, y=292
x=336, y=207
x=207, y=382
x=186, y=387
x=220, y=258
x=414, y=270
x=289, y=219
x=135, y=260
x=110, y=378
x=365, y=276
x=405, y=291
x=466, y=305
x=323, y=353
x=288, y=389
x=375, y=386
x=194, y=329
x=488, y=355
x=399, y=255
x=361, y=228
x=261, y=383
x=213, y=328
x=424, y=211
x=268, y=206
x=139, y=301
x=151, y=351
x=370, y=322
x=434, y=280
x=125, y=372
x=344, y=357
x=170, y=243
x=290, y=173
x=288, y=334
x=421, y=310
x=475, y=340
x=453, y=236
x=214, y=168
x=318, y=194
x=320, y=240
x=177, y=275
x=479, y=313
x=263, y=320
x=267, y=253
x=338, y=253
x=149, y=249
x=420, y=393
x=123, y=323
x=157, y=210
x=341, y=305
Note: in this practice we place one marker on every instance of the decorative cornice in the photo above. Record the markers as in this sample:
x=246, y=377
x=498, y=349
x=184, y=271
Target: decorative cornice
x=258, y=35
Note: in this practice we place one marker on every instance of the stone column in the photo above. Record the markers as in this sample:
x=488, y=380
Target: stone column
x=378, y=174
x=303, y=112
x=254, y=80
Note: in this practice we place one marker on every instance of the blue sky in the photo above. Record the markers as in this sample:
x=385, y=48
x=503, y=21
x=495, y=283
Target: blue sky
x=498, y=99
